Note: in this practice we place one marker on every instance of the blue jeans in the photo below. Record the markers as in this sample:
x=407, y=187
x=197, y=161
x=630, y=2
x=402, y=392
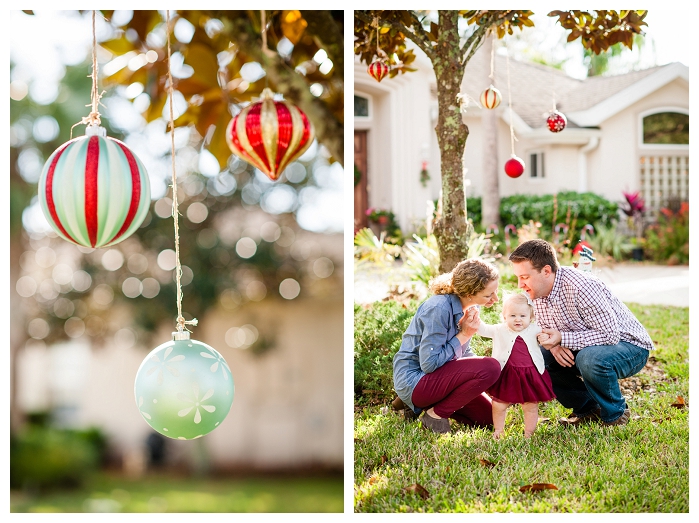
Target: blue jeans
x=593, y=380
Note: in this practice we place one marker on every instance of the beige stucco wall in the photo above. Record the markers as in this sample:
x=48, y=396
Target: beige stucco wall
x=400, y=136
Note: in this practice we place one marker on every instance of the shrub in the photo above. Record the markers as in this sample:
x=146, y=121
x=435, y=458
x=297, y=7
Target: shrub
x=607, y=241
x=43, y=457
x=378, y=331
x=584, y=208
x=668, y=239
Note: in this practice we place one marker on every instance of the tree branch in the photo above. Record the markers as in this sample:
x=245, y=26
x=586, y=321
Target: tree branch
x=474, y=42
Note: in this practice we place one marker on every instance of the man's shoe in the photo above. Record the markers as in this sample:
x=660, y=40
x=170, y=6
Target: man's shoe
x=621, y=420
x=581, y=419
x=441, y=426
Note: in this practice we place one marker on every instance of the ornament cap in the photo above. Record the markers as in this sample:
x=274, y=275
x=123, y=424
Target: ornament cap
x=183, y=335
x=267, y=94
x=95, y=130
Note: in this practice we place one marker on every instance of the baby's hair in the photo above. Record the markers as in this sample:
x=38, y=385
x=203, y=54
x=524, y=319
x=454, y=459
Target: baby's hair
x=519, y=299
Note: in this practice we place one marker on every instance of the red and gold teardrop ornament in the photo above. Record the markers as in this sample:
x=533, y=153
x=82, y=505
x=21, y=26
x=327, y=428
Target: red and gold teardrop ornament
x=270, y=134
x=378, y=70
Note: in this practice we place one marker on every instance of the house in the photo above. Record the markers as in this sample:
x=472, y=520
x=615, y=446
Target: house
x=628, y=132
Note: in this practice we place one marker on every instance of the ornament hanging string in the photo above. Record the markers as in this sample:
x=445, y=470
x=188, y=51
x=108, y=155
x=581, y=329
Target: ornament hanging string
x=492, y=61
x=175, y=211
x=263, y=29
x=94, y=117
x=509, y=97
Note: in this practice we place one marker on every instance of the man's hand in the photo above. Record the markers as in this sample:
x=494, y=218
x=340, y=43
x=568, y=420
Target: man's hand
x=564, y=356
x=554, y=338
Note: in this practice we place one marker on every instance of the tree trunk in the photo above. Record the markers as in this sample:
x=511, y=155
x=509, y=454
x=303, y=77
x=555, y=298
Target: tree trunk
x=451, y=229
x=490, y=201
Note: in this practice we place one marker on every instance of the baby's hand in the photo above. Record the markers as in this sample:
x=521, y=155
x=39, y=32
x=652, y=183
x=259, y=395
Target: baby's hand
x=542, y=337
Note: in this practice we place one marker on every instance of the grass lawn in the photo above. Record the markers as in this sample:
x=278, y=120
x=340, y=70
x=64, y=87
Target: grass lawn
x=162, y=493
x=639, y=467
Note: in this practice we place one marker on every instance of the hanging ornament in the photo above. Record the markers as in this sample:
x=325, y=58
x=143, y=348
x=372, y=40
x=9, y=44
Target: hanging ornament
x=270, y=134
x=490, y=98
x=378, y=70
x=514, y=167
x=556, y=121
x=93, y=190
x=184, y=388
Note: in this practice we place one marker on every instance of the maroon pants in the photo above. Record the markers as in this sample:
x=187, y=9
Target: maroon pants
x=456, y=390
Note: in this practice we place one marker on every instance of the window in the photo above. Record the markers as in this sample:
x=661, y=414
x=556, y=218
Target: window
x=361, y=106
x=666, y=128
x=536, y=165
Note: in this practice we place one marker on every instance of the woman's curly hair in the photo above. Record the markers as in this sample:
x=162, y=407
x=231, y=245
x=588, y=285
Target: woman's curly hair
x=468, y=278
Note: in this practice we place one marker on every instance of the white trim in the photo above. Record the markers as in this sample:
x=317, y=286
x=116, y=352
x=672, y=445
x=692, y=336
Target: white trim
x=616, y=103
x=660, y=146
x=370, y=108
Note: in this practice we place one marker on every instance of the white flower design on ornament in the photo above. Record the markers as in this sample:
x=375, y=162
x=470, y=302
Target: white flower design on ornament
x=219, y=360
x=140, y=404
x=165, y=365
x=196, y=403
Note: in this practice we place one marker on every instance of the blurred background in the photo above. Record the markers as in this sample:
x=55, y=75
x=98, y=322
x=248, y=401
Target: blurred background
x=261, y=261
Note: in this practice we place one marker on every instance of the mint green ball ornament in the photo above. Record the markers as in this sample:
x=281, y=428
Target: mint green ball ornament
x=184, y=388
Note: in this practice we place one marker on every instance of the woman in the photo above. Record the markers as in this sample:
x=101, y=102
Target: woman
x=435, y=369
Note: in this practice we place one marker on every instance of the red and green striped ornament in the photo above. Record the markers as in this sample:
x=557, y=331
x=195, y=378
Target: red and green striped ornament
x=378, y=70
x=270, y=134
x=94, y=191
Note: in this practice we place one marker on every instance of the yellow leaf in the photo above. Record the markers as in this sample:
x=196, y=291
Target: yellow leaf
x=293, y=25
x=203, y=60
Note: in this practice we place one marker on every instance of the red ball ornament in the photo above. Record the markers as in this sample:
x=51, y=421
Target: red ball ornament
x=270, y=134
x=556, y=121
x=94, y=191
x=514, y=167
x=490, y=98
x=377, y=70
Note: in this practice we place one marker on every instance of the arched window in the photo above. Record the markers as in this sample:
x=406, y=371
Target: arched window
x=666, y=128
x=664, y=157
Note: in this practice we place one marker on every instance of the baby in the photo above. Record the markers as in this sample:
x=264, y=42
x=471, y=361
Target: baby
x=523, y=378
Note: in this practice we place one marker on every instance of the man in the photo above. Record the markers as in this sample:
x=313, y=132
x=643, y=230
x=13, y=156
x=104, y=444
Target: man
x=593, y=338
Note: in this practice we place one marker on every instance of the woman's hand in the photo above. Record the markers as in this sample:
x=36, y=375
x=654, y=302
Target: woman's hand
x=468, y=324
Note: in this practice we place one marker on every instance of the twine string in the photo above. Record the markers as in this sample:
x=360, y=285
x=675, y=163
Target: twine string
x=263, y=30
x=509, y=97
x=94, y=117
x=181, y=322
x=492, y=61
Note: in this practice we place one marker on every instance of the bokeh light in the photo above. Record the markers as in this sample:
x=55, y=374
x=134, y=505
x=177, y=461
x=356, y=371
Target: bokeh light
x=289, y=289
x=246, y=247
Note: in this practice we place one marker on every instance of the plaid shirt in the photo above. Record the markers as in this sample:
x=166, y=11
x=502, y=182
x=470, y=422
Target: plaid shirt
x=586, y=313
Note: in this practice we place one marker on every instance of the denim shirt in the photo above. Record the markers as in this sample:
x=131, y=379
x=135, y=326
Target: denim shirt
x=429, y=342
